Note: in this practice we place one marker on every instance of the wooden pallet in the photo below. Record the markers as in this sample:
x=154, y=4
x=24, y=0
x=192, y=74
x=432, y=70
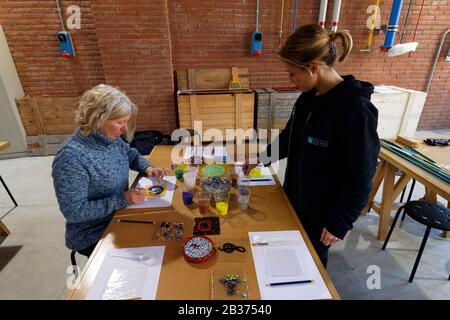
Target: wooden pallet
x=274, y=108
x=48, y=122
x=201, y=79
x=203, y=95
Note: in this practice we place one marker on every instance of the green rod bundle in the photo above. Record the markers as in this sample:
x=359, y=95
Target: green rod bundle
x=417, y=158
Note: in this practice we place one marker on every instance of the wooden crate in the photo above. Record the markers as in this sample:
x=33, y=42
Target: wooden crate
x=203, y=95
x=399, y=109
x=48, y=122
x=207, y=79
x=274, y=108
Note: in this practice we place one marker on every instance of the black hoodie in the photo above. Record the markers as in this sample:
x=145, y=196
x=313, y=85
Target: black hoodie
x=332, y=155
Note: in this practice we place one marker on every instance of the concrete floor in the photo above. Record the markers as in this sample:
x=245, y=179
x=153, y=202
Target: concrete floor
x=34, y=259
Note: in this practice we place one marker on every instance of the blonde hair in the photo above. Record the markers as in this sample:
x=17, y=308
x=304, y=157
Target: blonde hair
x=313, y=43
x=103, y=103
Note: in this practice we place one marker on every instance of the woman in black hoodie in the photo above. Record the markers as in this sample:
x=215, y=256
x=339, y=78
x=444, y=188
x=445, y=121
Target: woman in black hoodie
x=330, y=141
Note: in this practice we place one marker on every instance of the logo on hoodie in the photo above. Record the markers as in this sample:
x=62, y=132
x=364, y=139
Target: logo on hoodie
x=318, y=142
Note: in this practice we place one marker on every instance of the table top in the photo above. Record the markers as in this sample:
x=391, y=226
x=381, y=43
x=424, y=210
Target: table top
x=4, y=145
x=440, y=154
x=269, y=210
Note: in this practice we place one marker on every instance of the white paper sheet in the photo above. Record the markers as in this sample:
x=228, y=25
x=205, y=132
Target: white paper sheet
x=125, y=283
x=315, y=290
x=156, y=201
x=218, y=153
x=282, y=262
x=266, y=174
x=121, y=278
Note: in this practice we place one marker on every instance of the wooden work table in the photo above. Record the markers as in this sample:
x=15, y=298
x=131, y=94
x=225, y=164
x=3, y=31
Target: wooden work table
x=269, y=210
x=391, y=163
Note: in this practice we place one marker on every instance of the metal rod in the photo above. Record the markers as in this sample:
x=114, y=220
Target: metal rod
x=436, y=58
x=419, y=255
x=257, y=15
x=294, y=26
x=7, y=190
x=408, y=13
x=60, y=15
x=281, y=24
x=418, y=20
x=392, y=228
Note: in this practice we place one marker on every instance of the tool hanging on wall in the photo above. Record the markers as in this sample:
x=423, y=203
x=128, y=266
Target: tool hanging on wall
x=294, y=25
x=64, y=38
x=280, y=32
x=408, y=13
x=234, y=82
x=392, y=27
x=401, y=48
x=256, y=49
x=323, y=12
x=417, y=24
x=336, y=12
x=372, y=27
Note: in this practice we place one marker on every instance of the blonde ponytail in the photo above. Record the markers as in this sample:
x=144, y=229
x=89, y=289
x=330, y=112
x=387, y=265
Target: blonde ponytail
x=347, y=43
x=313, y=43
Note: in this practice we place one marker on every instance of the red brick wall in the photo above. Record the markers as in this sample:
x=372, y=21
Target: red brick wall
x=134, y=41
x=138, y=44
x=30, y=29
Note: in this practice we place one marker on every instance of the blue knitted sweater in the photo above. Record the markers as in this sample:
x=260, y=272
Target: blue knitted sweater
x=90, y=176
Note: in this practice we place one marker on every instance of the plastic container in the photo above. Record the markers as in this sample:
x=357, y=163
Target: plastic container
x=203, y=200
x=189, y=179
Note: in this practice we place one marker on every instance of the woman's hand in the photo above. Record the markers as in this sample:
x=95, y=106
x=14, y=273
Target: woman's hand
x=156, y=172
x=327, y=238
x=134, y=196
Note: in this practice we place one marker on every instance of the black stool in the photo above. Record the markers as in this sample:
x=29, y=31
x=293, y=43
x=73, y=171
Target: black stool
x=9, y=192
x=427, y=213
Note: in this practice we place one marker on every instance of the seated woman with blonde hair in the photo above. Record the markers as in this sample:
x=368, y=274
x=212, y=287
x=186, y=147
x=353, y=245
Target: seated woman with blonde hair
x=90, y=172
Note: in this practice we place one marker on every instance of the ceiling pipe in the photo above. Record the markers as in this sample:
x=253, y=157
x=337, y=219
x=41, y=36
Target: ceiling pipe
x=323, y=12
x=336, y=12
x=392, y=27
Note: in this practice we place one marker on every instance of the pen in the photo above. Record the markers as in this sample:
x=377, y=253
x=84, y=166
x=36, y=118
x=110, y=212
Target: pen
x=288, y=282
x=136, y=221
x=255, y=180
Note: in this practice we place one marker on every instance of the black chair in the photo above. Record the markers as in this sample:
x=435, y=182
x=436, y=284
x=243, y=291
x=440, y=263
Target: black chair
x=428, y=214
x=74, y=263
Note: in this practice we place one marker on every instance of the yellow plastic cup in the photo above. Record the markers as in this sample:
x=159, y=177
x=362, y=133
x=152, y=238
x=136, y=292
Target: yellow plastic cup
x=222, y=207
x=222, y=200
